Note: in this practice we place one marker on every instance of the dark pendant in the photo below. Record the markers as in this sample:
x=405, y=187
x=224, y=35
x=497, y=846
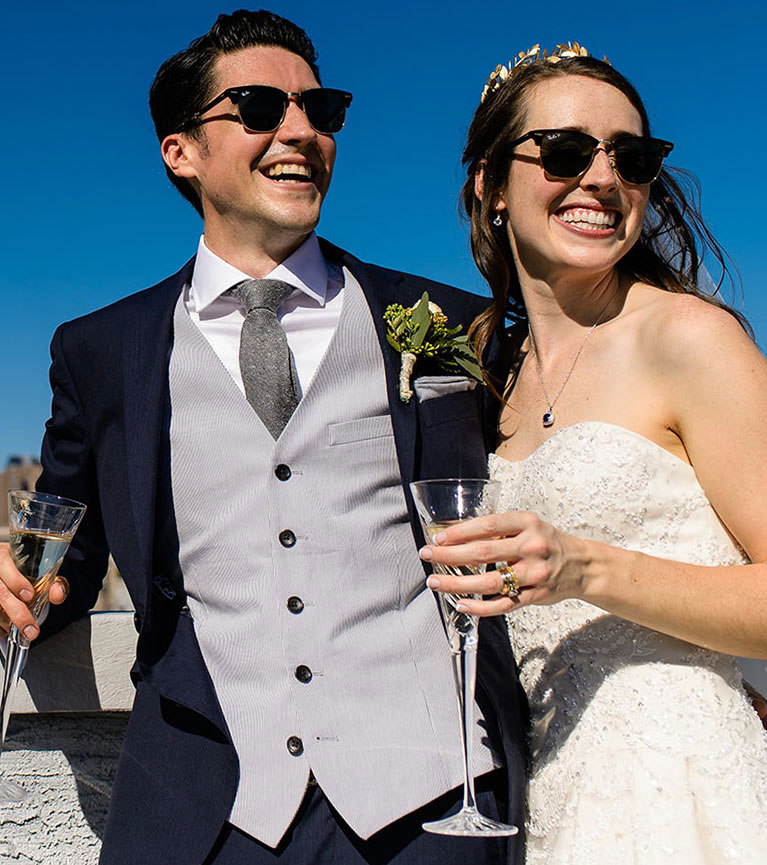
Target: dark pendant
x=548, y=418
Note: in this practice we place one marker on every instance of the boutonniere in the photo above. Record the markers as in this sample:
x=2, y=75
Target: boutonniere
x=422, y=331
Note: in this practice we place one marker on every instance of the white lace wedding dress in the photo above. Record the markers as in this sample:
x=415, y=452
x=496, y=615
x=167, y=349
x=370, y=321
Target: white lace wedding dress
x=645, y=750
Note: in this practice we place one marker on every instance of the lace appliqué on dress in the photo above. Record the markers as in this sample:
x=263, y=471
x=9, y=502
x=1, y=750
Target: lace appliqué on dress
x=644, y=748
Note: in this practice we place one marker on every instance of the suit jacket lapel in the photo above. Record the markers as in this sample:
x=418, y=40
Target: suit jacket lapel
x=148, y=339
x=381, y=288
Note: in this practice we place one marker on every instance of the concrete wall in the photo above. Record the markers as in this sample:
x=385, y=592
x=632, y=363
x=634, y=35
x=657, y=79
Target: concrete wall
x=64, y=740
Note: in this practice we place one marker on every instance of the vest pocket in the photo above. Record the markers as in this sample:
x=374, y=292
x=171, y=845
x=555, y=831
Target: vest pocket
x=360, y=429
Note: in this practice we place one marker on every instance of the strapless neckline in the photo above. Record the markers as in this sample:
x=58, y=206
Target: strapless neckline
x=620, y=430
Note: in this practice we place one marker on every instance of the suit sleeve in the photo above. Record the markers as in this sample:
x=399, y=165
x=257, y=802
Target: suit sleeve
x=69, y=470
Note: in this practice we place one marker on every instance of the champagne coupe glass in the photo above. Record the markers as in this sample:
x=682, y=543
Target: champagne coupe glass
x=41, y=527
x=442, y=503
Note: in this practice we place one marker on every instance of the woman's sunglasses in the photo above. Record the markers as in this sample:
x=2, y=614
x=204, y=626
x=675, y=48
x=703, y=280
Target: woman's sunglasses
x=567, y=153
x=262, y=108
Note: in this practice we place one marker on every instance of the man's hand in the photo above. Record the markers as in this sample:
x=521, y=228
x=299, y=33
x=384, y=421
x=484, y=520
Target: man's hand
x=16, y=592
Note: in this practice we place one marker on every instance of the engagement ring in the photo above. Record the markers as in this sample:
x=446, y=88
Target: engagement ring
x=510, y=585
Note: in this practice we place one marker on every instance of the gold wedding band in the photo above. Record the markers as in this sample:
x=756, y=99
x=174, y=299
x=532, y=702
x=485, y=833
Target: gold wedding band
x=510, y=586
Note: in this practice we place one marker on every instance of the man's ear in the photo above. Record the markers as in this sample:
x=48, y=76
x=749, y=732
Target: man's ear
x=179, y=152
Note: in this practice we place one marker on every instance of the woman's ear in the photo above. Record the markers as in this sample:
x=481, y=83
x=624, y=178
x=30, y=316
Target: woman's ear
x=479, y=178
x=479, y=187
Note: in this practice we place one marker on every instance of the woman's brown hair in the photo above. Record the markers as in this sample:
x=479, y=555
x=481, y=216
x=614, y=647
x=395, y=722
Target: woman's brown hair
x=668, y=253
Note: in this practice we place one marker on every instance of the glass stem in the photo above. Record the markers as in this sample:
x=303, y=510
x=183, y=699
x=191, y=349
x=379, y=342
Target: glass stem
x=15, y=656
x=465, y=671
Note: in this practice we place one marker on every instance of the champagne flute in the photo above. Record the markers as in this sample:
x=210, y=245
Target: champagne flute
x=442, y=503
x=41, y=527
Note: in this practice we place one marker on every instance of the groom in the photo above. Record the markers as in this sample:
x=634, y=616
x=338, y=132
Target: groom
x=237, y=435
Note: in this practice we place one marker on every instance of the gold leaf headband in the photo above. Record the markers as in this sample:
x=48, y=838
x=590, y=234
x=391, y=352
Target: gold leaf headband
x=525, y=58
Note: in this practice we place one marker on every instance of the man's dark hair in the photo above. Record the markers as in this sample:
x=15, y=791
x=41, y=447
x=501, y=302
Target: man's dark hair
x=184, y=83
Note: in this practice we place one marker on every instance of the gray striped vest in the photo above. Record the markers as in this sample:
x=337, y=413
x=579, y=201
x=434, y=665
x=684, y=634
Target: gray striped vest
x=306, y=591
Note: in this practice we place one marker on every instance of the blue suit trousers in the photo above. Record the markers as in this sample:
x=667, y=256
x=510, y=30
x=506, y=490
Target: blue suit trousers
x=319, y=836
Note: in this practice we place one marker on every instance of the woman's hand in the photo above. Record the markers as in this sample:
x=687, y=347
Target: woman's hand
x=549, y=565
x=16, y=592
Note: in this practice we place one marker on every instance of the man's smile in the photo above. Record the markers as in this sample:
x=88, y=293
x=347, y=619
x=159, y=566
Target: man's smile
x=289, y=172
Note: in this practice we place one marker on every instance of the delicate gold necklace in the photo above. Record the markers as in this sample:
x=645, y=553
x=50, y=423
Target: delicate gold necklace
x=549, y=418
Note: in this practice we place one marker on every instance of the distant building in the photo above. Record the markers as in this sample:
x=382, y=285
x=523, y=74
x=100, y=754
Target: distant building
x=20, y=473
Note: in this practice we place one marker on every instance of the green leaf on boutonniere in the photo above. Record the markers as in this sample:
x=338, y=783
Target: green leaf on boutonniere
x=466, y=358
x=421, y=318
x=422, y=331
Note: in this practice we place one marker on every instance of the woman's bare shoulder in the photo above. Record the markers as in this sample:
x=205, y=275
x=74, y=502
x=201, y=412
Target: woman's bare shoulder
x=683, y=327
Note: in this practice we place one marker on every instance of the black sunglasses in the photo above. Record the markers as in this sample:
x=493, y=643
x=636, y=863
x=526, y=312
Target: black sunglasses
x=262, y=108
x=568, y=153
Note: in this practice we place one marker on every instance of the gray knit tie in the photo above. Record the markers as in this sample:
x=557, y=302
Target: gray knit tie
x=266, y=361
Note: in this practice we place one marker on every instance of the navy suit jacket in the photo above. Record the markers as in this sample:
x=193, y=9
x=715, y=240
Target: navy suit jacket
x=107, y=444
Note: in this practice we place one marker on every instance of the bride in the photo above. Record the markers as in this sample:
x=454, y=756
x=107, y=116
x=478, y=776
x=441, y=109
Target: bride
x=632, y=543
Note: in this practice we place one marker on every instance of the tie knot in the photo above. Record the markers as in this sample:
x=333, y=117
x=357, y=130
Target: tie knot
x=262, y=293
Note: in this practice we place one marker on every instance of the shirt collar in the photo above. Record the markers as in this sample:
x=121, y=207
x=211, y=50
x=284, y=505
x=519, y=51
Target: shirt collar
x=305, y=269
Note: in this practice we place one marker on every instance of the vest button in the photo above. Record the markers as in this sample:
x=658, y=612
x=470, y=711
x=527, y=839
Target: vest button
x=287, y=538
x=295, y=746
x=303, y=674
x=295, y=604
x=282, y=472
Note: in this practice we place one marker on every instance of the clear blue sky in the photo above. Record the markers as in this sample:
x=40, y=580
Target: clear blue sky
x=89, y=216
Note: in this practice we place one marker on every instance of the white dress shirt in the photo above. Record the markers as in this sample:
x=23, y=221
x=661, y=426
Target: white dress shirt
x=309, y=316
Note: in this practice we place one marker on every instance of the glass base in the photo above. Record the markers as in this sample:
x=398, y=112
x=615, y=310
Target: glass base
x=468, y=821
x=11, y=792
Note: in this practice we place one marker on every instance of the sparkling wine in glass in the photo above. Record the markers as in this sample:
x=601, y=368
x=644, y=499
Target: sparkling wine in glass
x=41, y=528
x=440, y=504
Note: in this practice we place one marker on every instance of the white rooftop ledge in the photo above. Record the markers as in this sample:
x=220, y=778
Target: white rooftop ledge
x=70, y=715
x=85, y=668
